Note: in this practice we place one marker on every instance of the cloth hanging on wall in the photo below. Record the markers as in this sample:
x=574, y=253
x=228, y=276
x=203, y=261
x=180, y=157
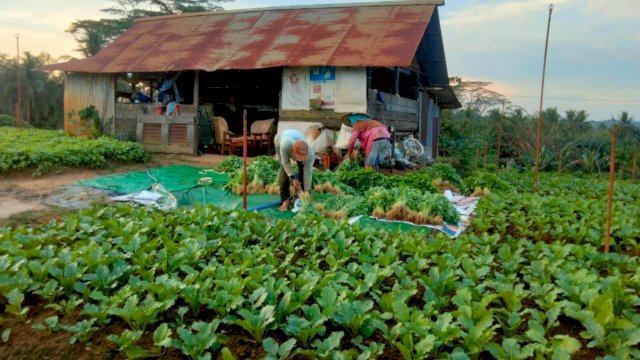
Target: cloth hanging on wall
x=295, y=88
x=351, y=92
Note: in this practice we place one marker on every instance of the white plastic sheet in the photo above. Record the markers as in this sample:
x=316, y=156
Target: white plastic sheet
x=351, y=89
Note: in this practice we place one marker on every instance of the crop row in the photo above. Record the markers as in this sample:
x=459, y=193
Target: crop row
x=193, y=280
x=47, y=149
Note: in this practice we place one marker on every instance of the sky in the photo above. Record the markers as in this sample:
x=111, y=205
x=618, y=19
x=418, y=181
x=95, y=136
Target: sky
x=593, y=61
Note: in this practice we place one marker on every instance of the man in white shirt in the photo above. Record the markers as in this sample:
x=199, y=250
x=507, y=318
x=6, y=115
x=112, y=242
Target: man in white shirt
x=291, y=144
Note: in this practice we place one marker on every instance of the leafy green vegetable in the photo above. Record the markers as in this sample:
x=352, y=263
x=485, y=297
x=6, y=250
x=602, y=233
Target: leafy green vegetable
x=262, y=176
x=445, y=172
x=47, y=149
x=229, y=164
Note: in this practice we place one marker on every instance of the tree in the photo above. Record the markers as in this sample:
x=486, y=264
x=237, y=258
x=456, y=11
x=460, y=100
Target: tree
x=628, y=142
x=93, y=35
x=474, y=95
x=42, y=93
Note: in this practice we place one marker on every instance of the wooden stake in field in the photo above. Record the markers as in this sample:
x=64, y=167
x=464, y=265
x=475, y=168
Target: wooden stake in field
x=612, y=175
x=244, y=159
x=539, y=139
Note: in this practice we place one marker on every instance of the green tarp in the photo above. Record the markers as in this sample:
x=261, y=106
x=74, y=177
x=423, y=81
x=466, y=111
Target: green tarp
x=190, y=185
x=193, y=185
x=172, y=177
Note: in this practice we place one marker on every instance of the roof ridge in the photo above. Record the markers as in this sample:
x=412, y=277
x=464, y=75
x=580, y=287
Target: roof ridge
x=298, y=7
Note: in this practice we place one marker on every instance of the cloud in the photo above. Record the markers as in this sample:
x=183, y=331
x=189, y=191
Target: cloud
x=498, y=13
x=614, y=10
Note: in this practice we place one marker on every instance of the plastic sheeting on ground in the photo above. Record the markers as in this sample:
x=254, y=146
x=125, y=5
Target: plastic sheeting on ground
x=191, y=186
x=172, y=177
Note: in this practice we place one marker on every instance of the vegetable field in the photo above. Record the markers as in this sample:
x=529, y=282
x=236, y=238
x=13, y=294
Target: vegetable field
x=528, y=280
x=43, y=150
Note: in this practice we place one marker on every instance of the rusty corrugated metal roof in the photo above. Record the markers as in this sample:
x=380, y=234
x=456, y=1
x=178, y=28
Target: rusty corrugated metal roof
x=354, y=35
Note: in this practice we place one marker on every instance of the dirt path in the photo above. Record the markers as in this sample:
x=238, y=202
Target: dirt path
x=22, y=192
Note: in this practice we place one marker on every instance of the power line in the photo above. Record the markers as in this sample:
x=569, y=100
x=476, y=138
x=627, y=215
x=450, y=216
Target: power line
x=584, y=100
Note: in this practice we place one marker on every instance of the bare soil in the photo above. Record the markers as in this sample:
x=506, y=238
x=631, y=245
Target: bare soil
x=22, y=194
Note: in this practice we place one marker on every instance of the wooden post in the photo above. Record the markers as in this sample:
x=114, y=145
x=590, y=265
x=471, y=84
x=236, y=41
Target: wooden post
x=538, y=140
x=244, y=158
x=196, y=106
x=612, y=174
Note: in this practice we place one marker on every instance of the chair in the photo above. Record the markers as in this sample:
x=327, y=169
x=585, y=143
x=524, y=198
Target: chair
x=261, y=131
x=224, y=137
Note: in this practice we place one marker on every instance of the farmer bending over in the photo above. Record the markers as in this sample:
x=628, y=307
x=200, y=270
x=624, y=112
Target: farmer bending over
x=291, y=144
x=374, y=139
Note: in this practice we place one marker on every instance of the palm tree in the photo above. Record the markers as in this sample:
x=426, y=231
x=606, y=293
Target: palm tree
x=629, y=141
x=38, y=99
x=624, y=118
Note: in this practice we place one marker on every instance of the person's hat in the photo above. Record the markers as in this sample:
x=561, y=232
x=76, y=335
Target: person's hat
x=300, y=151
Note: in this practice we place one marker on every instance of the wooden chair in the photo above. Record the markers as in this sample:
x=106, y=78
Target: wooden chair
x=224, y=137
x=261, y=133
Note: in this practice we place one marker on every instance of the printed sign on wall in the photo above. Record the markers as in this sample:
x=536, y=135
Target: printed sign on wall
x=323, y=85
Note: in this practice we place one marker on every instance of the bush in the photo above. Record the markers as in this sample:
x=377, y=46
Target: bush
x=6, y=120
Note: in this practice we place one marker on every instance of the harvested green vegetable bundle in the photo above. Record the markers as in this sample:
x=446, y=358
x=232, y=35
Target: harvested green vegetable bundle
x=362, y=180
x=416, y=180
x=445, y=177
x=334, y=206
x=411, y=205
x=262, y=176
x=229, y=164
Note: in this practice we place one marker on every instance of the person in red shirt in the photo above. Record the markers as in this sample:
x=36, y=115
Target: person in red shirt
x=374, y=139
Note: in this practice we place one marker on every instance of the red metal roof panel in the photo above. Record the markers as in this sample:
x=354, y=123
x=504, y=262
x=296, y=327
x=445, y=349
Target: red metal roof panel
x=380, y=35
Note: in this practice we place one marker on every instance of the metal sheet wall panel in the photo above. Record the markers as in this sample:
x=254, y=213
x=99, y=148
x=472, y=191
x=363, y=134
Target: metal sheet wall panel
x=82, y=90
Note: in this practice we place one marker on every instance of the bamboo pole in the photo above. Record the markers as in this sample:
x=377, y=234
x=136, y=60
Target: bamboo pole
x=633, y=169
x=612, y=174
x=539, y=138
x=244, y=159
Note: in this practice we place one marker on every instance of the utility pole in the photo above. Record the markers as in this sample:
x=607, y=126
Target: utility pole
x=539, y=141
x=19, y=105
